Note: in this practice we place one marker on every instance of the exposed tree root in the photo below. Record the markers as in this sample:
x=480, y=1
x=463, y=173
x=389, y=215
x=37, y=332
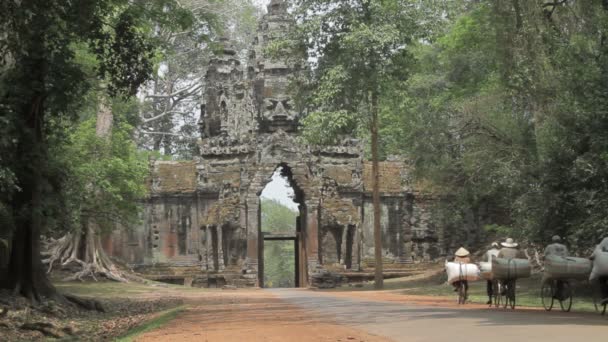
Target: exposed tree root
x=45, y=328
x=83, y=253
x=88, y=304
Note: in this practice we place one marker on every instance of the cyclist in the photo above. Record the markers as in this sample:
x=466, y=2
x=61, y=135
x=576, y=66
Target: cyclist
x=510, y=250
x=603, y=281
x=489, y=286
x=462, y=256
x=557, y=249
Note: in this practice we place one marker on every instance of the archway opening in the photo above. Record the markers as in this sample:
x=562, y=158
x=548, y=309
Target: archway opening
x=279, y=228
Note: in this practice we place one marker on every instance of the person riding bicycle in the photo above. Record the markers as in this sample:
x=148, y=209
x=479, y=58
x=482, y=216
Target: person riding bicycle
x=510, y=250
x=462, y=256
x=602, y=247
x=489, y=286
x=557, y=249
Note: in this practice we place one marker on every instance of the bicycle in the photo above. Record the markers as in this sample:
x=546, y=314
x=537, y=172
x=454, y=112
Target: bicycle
x=599, y=302
x=496, y=288
x=462, y=292
x=507, y=293
x=553, y=289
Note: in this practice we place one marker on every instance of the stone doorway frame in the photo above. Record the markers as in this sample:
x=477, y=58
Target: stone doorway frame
x=254, y=214
x=296, y=251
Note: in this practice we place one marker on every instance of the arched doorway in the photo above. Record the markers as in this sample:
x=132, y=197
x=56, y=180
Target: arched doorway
x=280, y=242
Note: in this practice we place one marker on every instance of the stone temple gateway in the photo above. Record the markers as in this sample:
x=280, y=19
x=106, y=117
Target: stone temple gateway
x=201, y=222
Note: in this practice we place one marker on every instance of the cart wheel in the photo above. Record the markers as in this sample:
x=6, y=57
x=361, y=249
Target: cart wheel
x=566, y=297
x=546, y=295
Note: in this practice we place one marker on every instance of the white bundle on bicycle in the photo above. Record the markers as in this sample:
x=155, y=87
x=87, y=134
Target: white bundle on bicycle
x=600, y=265
x=563, y=268
x=485, y=268
x=457, y=272
x=506, y=269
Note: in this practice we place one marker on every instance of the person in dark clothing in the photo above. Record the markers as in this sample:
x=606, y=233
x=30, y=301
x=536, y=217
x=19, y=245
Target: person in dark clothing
x=601, y=281
x=490, y=283
x=557, y=249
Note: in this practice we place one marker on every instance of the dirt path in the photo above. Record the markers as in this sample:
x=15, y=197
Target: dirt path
x=252, y=316
x=302, y=315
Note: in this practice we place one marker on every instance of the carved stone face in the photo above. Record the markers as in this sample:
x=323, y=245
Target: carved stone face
x=278, y=108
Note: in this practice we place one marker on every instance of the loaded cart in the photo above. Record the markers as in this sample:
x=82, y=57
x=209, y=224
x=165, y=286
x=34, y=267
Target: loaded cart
x=559, y=271
x=599, y=274
x=507, y=271
x=459, y=272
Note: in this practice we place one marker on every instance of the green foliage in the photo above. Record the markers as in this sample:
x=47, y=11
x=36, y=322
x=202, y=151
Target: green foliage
x=279, y=256
x=364, y=47
x=279, y=264
x=105, y=178
x=277, y=217
x=506, y=110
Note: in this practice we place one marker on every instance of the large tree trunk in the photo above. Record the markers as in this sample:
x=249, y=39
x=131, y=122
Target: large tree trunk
x=24, y=274
x=378, y=276
x=82, y=251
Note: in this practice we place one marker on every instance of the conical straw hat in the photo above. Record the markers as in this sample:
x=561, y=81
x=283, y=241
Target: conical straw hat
x=461, y=252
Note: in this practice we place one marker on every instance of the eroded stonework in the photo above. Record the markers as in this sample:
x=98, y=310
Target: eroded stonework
x=202, y=219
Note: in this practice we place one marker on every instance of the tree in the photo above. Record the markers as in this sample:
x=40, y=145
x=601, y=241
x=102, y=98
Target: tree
x=171, y=99
x=105, y=183
x=40, y=87
x=504, y=110
x=359, y=46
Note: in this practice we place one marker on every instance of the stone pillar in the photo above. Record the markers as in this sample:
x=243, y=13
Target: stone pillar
x=343, y=248
x=253, y=241
x=312, y=235
x=205, y=249
x=356, y=265
x=220, y=248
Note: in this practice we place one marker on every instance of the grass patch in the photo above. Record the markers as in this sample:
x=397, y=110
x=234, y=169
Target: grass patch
x=104, y=289
x=161, y=319
x=112, y=289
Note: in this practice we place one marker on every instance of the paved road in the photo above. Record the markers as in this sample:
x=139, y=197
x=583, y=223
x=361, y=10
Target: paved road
x=415, y=323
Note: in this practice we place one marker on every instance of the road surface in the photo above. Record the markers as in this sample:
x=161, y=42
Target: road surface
x=417, y=323
x=300, y=315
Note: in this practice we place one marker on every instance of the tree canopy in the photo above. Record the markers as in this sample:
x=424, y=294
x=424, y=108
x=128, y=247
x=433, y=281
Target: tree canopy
x=506, y=110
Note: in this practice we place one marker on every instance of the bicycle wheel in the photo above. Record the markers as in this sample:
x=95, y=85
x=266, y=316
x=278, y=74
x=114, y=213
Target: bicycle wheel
x=496, y=292
x=462, y=293
x=512, y=294
x=498, y=295
x=546, y=294
x=565, y=298
x=505, y=294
